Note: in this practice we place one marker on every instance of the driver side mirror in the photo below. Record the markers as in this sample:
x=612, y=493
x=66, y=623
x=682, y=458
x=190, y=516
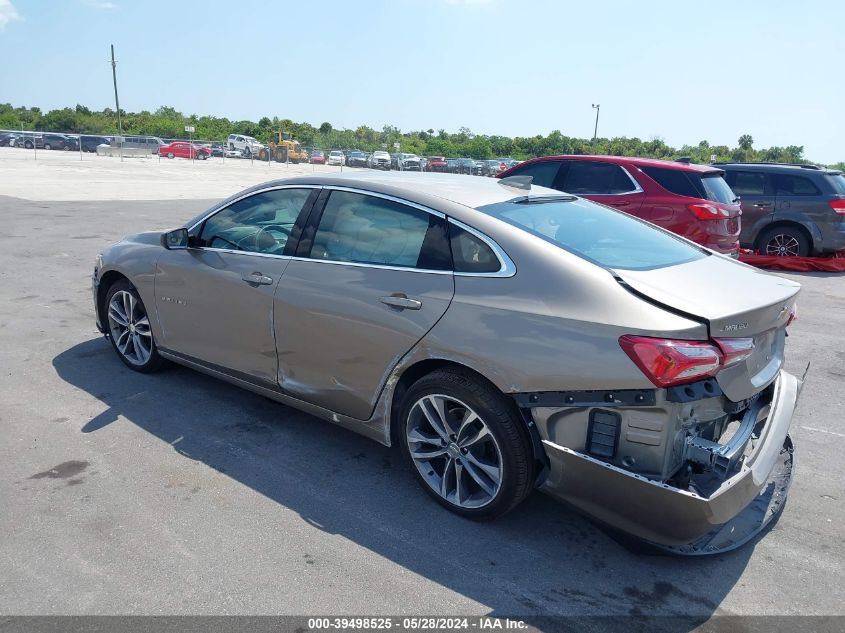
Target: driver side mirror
x=176, y=239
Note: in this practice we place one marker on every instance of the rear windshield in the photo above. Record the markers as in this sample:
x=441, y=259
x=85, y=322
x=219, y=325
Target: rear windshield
x=837, y=181
x=606, y=237
x=692, y=184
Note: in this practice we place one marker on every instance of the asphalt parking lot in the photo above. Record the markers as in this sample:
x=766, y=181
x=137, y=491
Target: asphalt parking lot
x=175, y=493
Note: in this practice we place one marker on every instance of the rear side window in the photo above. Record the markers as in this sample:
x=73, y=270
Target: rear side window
x=692, y=184
x=673, y=180
x=471, y=254
x=364, y=229
x=543, y=172
x=606, y=237
x=837, y=181
x=587, y=177
x=795, y=186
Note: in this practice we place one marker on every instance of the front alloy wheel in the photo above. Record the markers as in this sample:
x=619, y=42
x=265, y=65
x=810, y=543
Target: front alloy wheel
x=129, y=328
x=454, y=451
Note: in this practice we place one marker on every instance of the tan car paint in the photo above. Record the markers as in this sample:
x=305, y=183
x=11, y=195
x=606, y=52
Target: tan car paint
x=553, y=325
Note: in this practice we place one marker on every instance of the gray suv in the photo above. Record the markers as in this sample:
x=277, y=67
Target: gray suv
x=789, y=209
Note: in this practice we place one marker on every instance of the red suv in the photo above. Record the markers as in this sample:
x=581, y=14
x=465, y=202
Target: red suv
x=691, y=200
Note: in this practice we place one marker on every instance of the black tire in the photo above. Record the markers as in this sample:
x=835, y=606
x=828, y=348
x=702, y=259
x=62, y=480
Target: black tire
x=155, y=362
x=784, y=240
x=170, y=155
x=201, y=156
x=501, y=418
x=47, y=146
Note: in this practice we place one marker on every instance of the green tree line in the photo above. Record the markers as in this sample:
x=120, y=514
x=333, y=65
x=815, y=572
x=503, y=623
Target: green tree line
x=167, y=122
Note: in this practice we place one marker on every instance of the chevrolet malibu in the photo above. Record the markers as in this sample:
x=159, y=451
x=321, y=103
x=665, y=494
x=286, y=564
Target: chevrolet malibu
x=505, y=336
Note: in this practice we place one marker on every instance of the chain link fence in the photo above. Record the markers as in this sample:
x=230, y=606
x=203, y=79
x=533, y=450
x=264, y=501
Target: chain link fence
x=236, y=149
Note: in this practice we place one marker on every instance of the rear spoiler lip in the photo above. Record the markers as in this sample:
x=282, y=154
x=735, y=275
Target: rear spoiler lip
x=662, y=306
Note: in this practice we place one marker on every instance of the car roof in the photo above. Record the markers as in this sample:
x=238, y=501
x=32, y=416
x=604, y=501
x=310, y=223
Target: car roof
x=780, y=167
x=465, y=190
x=630, y=160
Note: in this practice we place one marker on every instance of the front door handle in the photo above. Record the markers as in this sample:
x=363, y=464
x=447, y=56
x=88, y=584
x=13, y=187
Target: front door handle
x=401, y=301
x=257, y=278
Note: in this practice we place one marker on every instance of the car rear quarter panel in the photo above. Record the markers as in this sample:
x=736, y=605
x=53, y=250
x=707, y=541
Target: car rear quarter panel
x=554, y=325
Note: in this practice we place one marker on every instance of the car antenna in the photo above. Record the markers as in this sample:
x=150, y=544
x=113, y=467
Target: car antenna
x=517, y=182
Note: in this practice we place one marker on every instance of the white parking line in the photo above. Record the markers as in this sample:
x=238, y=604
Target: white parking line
x=810, y=428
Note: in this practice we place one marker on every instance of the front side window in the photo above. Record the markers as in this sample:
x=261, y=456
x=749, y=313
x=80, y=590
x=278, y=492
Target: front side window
x=261, y=223
x=796, y=186
x=364, y=229
x=606, y=237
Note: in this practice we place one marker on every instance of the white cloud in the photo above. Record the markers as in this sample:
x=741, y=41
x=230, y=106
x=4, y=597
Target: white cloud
x=99, y=4
x=8, y=13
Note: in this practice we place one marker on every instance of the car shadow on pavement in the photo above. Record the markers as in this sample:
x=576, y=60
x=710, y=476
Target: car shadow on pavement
x=542, y=559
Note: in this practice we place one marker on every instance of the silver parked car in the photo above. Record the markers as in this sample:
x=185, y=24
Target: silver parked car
x=506, y=337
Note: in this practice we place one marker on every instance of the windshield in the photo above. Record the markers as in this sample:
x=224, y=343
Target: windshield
x=606, y=237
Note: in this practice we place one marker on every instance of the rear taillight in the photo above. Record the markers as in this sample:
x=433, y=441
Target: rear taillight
x=734, y=350
x=668, y=362
x=708, y=212
x=838, y=206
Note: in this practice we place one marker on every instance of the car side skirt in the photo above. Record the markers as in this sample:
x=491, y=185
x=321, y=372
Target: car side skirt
x=374, y=428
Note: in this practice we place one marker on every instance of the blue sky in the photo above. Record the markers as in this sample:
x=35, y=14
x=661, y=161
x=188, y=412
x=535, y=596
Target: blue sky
x=682, y=71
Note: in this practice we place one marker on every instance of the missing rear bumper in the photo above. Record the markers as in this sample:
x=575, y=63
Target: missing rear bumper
x=683, y=521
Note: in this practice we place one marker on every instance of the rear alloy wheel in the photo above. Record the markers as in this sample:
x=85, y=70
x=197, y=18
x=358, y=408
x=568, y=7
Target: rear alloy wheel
x=469, y=448
x=129, y=328
x=784, y=241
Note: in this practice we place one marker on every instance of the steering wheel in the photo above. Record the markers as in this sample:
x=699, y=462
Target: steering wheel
x=262, y=244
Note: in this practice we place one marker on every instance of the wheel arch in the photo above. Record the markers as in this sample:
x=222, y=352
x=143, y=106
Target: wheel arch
x=107, y=280
x=812, y=232
x=421, y=368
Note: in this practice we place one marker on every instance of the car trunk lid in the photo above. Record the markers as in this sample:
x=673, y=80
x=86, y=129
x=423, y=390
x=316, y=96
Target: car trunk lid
x=736, y=301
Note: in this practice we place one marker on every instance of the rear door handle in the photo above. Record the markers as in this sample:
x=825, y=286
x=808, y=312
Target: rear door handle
x=257, y=278
x=402, y=302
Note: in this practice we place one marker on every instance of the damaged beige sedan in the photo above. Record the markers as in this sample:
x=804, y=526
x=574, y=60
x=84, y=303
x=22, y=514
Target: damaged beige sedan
x=506, y=337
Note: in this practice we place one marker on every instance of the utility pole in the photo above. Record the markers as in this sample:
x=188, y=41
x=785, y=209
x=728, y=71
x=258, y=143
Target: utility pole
x=117, y=102
x=596, y=107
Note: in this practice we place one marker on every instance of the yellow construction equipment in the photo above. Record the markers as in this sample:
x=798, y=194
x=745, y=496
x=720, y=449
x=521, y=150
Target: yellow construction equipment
x=283, y=149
